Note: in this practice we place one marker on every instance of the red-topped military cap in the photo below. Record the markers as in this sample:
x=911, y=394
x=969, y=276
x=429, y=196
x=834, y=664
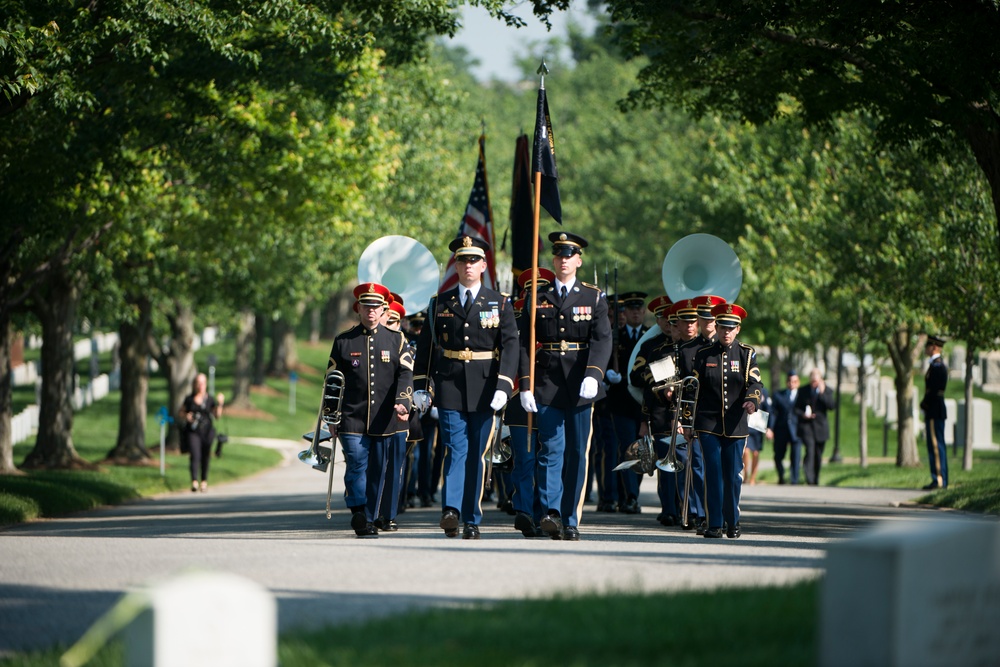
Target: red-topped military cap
x=706, y=303
x=660, y=305
x=372, y=294
x=686, y=310
x=729, y=315
x=396, y=311
x=395, y=298
x=545, y=277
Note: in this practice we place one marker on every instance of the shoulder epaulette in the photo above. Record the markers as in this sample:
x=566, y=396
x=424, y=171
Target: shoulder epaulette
x=590, y=286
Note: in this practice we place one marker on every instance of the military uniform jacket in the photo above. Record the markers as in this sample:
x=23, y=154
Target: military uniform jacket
x=727, y=378
x=654, y=410
x=620, y=400
x=488, y=330
x=573, y=341
x=378, y=373
x=935, y=381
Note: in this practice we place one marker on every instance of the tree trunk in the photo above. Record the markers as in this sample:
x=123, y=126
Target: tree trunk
x=314, y=320
x=862, y=397
x=260, y=336
x=985, y=144
x=178, y=364
x=130, y=447
x=241, y=367
x=7, y=466
x=903, y=350
x=278, y=364
x=967, y=452
x=56, y=309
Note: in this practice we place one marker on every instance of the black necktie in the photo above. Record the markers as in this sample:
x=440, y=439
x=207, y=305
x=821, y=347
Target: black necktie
x=468, y=300
x=562, y=293
x=635, y=335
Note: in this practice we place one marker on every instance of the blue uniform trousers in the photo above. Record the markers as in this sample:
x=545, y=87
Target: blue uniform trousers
x=627, y=432
x=606, y=458
x=394, y=476
x=564, y=445
x=670, y=485
x=723, y=482
x=937, y=451
x=523, y=476
x=464, y=434
x=365, y=477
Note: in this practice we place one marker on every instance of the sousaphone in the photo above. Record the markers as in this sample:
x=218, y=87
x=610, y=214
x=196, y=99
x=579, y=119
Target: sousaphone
x=696, y=265
x=405, y=266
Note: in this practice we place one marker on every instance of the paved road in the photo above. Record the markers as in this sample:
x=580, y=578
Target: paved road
x=58, y=576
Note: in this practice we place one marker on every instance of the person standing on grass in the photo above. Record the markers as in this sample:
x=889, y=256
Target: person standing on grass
x=935, y=413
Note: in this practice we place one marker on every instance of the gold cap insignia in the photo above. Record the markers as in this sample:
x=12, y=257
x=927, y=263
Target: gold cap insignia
x=467, y=242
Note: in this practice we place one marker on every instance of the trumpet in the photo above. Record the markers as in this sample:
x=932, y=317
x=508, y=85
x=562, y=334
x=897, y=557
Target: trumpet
x=317, y=455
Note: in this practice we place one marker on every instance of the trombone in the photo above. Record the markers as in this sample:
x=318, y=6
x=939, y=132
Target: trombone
x=684, y=412
x=317, y=455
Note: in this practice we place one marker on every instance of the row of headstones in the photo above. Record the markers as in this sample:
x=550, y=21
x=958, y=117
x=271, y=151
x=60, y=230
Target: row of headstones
x=910, y=592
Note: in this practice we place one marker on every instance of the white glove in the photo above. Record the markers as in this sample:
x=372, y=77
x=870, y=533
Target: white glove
x=588, y=389
x=499, y=400
x=422, y=401
x=528, y=402
x=614, y=377
x=434, y=413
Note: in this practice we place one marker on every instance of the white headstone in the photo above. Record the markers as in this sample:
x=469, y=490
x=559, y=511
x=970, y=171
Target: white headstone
x=913, y=594
x=982, y=423
x=203, y=619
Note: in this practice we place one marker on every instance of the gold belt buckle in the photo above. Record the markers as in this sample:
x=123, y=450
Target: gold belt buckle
x=465, y=355
x=563, y=346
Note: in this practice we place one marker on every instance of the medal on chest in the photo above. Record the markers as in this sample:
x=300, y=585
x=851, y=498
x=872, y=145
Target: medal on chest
x=385, y=356
x=734, y=365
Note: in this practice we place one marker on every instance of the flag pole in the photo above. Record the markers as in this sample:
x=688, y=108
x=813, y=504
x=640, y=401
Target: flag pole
x=542, y=71
x=489, y=209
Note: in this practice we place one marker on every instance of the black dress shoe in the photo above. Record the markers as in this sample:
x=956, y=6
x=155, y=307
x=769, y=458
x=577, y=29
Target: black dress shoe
x=607, y=506
x=449, y=523
x=523, y=523
x=632, y=506
x=571, y=534
x=713, y=533
x=358, y=522
x=700, y=526
x=668, y=519
x=552, y=525
x=471, y=532
x=368, y=531
x=389, y=526
x=733, y=532
x=931, y=486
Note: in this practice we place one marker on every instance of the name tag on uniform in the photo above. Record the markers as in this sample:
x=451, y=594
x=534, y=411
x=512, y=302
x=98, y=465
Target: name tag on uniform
x=707, y=365
x=355, y=354
x=446, y=313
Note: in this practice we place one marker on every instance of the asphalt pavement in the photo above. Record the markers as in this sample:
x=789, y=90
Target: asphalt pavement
x=58, y=576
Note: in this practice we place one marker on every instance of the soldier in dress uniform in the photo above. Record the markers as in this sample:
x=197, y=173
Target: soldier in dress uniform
x=378, y=390
x=604, y=445
x=573, y=341
x=527, y=506
x=729, y=391
x=470, y=350
x=392, y=496
x=626, y=413
x=935, y=413
x=688, y=341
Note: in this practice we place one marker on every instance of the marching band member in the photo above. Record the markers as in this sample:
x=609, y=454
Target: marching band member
x=689, y=342
x=573, y=336
x=469, y=349
x=626, y=413
x=378, y=373
x=524, y=451
x=395, y=468
x=729, y=391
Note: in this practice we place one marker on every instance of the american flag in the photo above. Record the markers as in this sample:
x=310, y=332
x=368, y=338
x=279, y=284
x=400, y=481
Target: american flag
x=478, y=223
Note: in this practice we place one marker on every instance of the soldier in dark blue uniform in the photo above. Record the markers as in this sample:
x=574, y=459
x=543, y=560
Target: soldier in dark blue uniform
x=729, y=390
x=469, y=349
x=626, y=413
x=524, y=446
x=573, y=341
x=378, y=378
x=393, y=497
x=935, y=413
x=689, y=341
